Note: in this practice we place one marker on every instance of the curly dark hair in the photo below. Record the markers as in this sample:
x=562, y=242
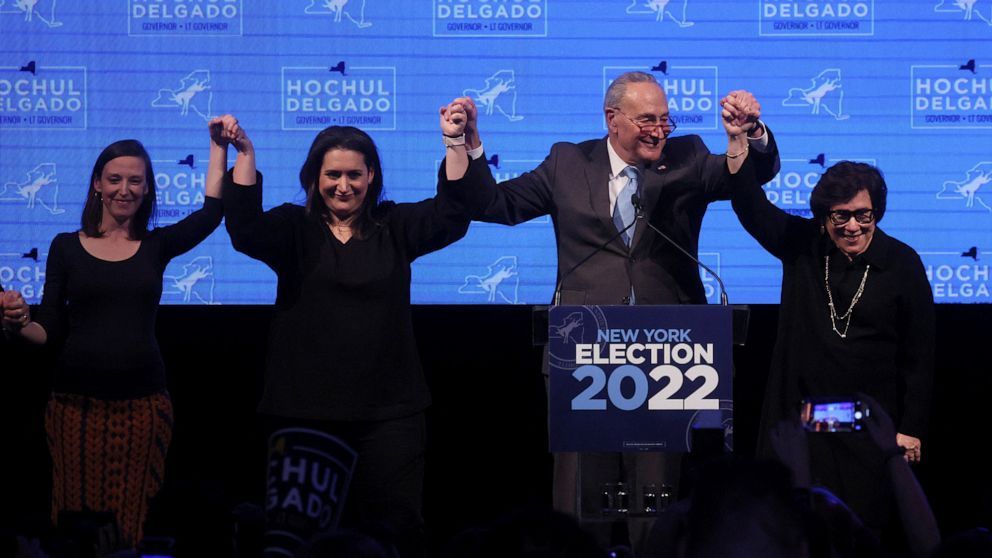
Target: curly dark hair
x=842, y=182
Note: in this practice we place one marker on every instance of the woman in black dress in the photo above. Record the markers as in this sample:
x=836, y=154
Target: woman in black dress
x=856, y=315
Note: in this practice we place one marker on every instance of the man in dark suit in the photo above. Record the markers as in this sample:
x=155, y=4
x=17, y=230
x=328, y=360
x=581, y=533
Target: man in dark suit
x=579, y=184
x=588, y=187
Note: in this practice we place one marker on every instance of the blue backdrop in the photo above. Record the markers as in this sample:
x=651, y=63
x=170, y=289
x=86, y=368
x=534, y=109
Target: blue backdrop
x=904, y=85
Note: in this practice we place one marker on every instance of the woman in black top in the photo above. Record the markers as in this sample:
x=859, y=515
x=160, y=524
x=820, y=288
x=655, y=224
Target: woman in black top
x=856, y=315
x=342, y=358
x=109, y=419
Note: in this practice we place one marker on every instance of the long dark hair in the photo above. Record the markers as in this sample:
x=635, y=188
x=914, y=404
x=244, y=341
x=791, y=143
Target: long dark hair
x=93, y=210
x=842, y=182
x=351, y=139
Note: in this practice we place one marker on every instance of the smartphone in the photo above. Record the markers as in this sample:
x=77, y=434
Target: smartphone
x=834, y=414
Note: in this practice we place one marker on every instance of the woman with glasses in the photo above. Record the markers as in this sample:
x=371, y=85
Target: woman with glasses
x=856, y=315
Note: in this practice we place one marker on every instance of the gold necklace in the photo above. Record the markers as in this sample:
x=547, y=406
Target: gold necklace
x=846, y=317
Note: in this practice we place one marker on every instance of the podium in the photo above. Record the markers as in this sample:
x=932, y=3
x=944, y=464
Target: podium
x=636, y=379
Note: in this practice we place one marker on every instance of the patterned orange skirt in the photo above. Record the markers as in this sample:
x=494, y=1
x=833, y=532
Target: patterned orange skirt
x=108, y=455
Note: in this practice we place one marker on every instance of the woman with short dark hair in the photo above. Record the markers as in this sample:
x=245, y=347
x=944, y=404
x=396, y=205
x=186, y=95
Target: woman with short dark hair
x=842, y=182
x=856, y=315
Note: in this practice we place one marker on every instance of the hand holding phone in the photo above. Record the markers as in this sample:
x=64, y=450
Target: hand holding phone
x=834, y=414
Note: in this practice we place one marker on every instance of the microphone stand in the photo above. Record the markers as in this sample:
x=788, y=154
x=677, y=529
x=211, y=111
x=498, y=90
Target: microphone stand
x=539, y=332
x=557, y=297
x=639, y=216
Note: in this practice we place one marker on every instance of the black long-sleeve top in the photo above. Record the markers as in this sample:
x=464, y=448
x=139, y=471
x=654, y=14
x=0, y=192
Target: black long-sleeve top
x=341, y=345
x=889, y=349
x=105, y=311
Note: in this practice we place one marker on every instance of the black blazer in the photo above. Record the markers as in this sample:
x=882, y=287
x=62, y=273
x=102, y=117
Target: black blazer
x=572, y=186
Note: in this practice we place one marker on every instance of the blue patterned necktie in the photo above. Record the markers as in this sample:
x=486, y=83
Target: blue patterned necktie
x=623, y=211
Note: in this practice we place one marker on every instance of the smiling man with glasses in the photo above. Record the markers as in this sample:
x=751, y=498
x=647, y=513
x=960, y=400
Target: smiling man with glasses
x=593, y=191
x=589, y=190
x=650, y=125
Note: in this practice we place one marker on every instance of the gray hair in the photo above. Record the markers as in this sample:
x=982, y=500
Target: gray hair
x=616, y=91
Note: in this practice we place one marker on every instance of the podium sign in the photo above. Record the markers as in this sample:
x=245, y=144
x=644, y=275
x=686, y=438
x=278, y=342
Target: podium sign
x=638, y=378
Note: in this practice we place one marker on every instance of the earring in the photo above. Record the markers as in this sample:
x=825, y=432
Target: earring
x=822, y=229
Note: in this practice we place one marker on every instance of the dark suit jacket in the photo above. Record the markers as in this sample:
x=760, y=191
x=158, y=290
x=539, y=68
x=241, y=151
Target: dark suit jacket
x=572, y=185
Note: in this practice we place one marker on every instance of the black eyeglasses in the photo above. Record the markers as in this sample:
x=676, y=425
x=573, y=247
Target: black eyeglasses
x=648, y=125
x=842, y=216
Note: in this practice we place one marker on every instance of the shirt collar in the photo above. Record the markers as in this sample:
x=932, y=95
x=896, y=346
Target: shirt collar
x=616, y=163
x=877, y=254
x=879, y=250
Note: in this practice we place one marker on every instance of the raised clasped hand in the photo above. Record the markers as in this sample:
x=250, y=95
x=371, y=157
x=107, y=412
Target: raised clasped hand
x=224, y=129
x=740, y=112
x=454, y=117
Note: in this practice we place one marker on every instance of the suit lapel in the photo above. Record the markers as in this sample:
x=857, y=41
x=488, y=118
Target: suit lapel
x=598, y=183
x=653, y=179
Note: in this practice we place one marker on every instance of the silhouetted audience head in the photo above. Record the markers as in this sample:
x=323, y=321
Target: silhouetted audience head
x=744, y=508
x=530, y=533
x=347, y=544
x=834, y=529
x=465, y=543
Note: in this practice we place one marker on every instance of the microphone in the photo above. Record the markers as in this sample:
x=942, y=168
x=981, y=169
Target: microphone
x=635, y=200
x=599, y=249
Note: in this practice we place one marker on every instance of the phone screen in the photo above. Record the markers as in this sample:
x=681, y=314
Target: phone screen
x=833, y=415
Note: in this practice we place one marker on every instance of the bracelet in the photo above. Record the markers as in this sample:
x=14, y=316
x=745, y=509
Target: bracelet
x=736, y=155
x=897, y=451
x=453, y=141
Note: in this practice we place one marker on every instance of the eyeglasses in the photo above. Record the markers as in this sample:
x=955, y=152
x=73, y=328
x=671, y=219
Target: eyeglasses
x=650, y=124
x=842, y=216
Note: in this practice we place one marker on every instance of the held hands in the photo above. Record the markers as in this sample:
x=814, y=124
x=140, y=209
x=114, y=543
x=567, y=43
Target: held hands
x=454, y=121
x=16, y=313
x=454, y=118
x=740, y=112
x=225, y=130
x=471, y=115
